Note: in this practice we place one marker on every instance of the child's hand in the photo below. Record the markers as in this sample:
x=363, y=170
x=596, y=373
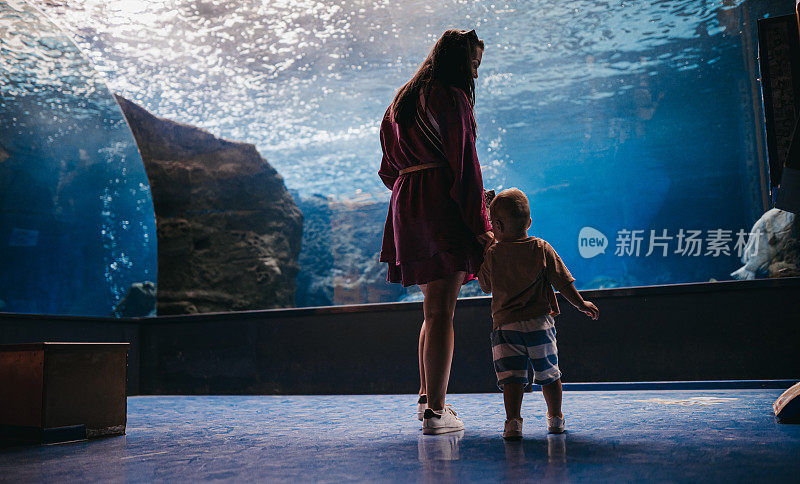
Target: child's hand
x=486, y=239
x=590, y=310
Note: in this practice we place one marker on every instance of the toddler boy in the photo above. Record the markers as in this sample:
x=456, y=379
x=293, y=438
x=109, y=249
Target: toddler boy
x=520, y=272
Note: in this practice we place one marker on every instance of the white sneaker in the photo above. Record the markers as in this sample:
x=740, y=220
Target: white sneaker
x=422, y=404
x=555, y=425
x=441, y=421
x=513, y=429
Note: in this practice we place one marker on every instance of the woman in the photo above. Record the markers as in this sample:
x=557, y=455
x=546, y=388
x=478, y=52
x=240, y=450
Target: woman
x=437, y=225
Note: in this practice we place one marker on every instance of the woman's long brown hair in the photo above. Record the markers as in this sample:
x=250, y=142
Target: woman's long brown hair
x=449, y=63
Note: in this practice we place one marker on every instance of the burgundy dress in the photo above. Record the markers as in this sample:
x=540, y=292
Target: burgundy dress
x=434, y=214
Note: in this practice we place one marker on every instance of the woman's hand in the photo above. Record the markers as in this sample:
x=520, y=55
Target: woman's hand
x=486, y=239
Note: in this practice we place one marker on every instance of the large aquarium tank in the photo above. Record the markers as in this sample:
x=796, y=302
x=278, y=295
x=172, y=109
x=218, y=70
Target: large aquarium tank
x=635, y=128
x=77, y=228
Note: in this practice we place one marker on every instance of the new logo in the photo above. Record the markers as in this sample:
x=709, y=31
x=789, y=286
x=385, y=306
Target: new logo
x=591, y=242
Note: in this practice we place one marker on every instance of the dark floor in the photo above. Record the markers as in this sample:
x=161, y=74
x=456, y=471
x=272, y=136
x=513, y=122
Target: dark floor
x=672, y=435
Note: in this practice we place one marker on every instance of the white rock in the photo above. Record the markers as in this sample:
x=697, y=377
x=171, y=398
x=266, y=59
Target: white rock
x=775, y=225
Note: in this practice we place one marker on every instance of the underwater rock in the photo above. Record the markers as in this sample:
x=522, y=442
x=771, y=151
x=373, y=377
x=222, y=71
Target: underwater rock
x=341, y=247
x=339, y=263
x=772, y=248
x=139, y=302
x=228, y=230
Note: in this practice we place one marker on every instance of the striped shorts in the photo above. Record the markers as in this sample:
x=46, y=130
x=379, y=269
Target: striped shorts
x=531, y=343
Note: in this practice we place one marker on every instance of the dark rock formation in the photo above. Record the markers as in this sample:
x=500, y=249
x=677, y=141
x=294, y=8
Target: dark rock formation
x=228, y=230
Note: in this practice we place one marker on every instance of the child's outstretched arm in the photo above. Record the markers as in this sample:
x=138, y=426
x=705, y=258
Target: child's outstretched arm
x=561, y=279
x=574, y=297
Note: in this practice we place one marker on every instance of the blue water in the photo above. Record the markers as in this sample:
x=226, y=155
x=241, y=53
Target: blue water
x=612, y=115
x=77, y=226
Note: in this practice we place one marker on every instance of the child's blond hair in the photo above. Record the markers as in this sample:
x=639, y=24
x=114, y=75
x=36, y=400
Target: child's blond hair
x=512, y=208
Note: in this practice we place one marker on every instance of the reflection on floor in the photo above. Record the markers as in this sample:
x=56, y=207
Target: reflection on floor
x=611, y=436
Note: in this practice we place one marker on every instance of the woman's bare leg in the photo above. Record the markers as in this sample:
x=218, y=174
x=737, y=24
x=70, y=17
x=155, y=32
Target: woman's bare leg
x=421, y=349
x=439, y=307
x=422, y=390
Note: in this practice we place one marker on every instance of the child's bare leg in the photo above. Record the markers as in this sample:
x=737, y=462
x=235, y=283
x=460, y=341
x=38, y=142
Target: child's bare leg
x=552, y=397
x=421, y=352
x=512, y=397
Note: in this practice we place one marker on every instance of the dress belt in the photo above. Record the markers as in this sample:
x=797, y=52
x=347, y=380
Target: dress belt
x=424, y=166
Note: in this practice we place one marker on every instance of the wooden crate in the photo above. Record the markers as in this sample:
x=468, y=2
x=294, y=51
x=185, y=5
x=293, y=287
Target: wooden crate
x=56, y=392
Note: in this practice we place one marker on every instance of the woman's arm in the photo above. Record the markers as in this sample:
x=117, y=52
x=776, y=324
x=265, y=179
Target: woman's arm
x=454, y=115
x=485, y=273
x=388, y=172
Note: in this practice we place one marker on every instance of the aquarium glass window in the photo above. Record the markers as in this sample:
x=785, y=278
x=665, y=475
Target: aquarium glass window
x=635, y=128
x=77, y=229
